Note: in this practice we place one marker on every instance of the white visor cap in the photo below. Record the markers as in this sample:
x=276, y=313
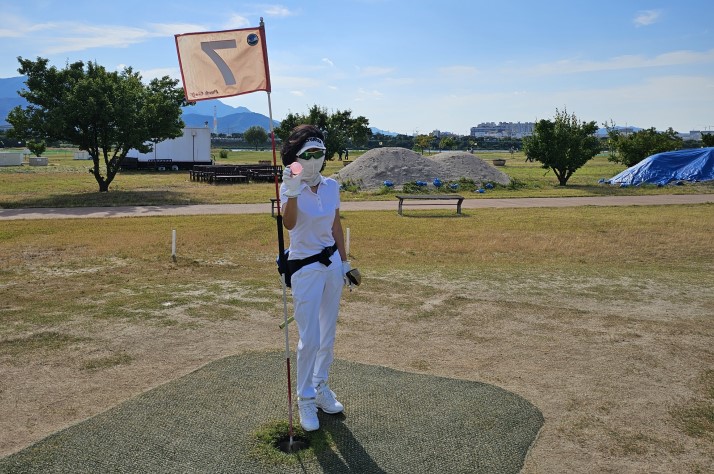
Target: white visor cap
x=311, y=143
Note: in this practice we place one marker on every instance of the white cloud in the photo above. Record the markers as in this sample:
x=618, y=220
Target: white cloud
x=157, y=73
x=399, y=81
x=363, y=94
x=328, y=62
x=294, y=82
x=459, y=71
x=374, y=70
x=277, y=11
x=236, y=21
x=298, y=93
x=9, y=33
x=673, y=58
x=646, y=17
x=82, y=36
x=170, y=29
x=67, y=37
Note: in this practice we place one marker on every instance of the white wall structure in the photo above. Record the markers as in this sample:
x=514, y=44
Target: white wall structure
x=193, y=147
x=11, y=158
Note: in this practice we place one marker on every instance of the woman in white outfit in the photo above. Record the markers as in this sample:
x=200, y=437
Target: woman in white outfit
x=311, y=213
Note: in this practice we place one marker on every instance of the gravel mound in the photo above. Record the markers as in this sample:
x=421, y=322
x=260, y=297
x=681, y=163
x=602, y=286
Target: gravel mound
x=401, y=166
x=458, y=164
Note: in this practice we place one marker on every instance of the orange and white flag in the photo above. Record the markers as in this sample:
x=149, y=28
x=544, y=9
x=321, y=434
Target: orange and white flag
x=223, y=63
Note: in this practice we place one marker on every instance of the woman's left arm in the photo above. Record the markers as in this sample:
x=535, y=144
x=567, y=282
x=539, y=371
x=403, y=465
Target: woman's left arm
x=339, y=235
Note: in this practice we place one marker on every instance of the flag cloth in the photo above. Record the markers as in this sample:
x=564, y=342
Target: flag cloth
x=223, y=63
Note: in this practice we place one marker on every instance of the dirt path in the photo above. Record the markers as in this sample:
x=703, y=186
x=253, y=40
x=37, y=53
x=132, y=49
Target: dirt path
x=204, y=209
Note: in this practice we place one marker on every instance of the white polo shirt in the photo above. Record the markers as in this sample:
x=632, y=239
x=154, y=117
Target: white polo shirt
x=316, y=214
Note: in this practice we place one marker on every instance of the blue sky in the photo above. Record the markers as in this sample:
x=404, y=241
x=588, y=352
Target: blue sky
x=414, y=66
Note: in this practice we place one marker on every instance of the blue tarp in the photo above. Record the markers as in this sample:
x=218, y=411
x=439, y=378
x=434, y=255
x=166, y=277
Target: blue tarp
x=694, y=164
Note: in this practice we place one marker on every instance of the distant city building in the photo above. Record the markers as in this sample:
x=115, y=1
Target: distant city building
x=695, y=134
x=503, y=129
x=439, y=134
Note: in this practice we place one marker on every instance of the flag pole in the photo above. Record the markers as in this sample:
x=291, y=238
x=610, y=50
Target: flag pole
x=281, y=256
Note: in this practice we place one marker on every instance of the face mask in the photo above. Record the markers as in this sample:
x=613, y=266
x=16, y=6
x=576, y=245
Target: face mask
x=311, y=170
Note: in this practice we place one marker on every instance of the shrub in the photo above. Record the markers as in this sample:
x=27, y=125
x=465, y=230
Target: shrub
x=37, y=148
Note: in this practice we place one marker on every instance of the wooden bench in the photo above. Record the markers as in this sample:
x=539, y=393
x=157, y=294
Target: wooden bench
x=431, y=197
x=231, y=178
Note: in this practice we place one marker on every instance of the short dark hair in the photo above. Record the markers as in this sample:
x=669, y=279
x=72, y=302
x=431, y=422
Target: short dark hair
x=298, y=136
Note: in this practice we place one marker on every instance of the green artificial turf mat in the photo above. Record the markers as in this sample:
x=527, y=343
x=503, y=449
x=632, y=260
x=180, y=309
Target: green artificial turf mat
x=206, y=422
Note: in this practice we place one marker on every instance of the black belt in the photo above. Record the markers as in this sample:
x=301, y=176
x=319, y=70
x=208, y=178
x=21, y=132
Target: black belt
x=322, y=257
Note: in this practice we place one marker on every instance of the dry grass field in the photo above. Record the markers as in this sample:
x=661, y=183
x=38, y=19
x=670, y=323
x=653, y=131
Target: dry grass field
x=601, y=317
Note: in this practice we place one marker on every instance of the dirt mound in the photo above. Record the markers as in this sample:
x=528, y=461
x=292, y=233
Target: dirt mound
x=458, y=164
x=401, y=166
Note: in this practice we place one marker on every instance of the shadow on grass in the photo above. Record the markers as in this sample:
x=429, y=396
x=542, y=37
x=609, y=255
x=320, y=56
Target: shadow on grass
x=350, y=455
x=415, y=213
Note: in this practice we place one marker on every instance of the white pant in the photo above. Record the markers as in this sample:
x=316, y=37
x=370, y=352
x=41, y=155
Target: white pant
x=316, y=291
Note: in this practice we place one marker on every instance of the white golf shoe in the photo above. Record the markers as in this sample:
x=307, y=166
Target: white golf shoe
x=308, y=414
x=326, y=401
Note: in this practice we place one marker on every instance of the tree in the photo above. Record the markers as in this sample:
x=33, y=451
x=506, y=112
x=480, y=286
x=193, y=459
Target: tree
x=256, y=136
x=37, y=147
x=423, y=142
x=447, y=143
x=708, y=139
x=104, y=113
x=340, y=128
x=631, y=148
x=563, y=145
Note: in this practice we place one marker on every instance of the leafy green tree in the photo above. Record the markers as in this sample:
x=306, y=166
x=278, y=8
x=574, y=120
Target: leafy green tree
x=423, y=142
x=37, y=147
x=447, y=143
x=104, y=113
x=256, y=136
x=563, y=145
x=708, y=139
x=340, y=128
x=631, y=148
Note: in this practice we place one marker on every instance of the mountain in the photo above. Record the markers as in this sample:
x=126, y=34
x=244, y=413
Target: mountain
x=9, y=99
x=376, y=131
x=230, y=119
x=205, y=107
x=9, y=86
x=233, y=123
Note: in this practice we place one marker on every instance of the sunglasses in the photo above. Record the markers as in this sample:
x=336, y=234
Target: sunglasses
x=308, y=155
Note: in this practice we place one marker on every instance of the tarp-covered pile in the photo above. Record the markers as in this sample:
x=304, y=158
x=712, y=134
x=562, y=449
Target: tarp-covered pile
x=695, y=164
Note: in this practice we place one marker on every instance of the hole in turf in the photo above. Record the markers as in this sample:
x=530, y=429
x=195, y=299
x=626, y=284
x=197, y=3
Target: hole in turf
x=299, y=443
x=272, y=444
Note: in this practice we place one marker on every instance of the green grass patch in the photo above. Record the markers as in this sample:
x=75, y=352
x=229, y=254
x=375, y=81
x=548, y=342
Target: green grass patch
x=45, y=340
x=266, y=439
x=107, y=362
x=696, y=417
